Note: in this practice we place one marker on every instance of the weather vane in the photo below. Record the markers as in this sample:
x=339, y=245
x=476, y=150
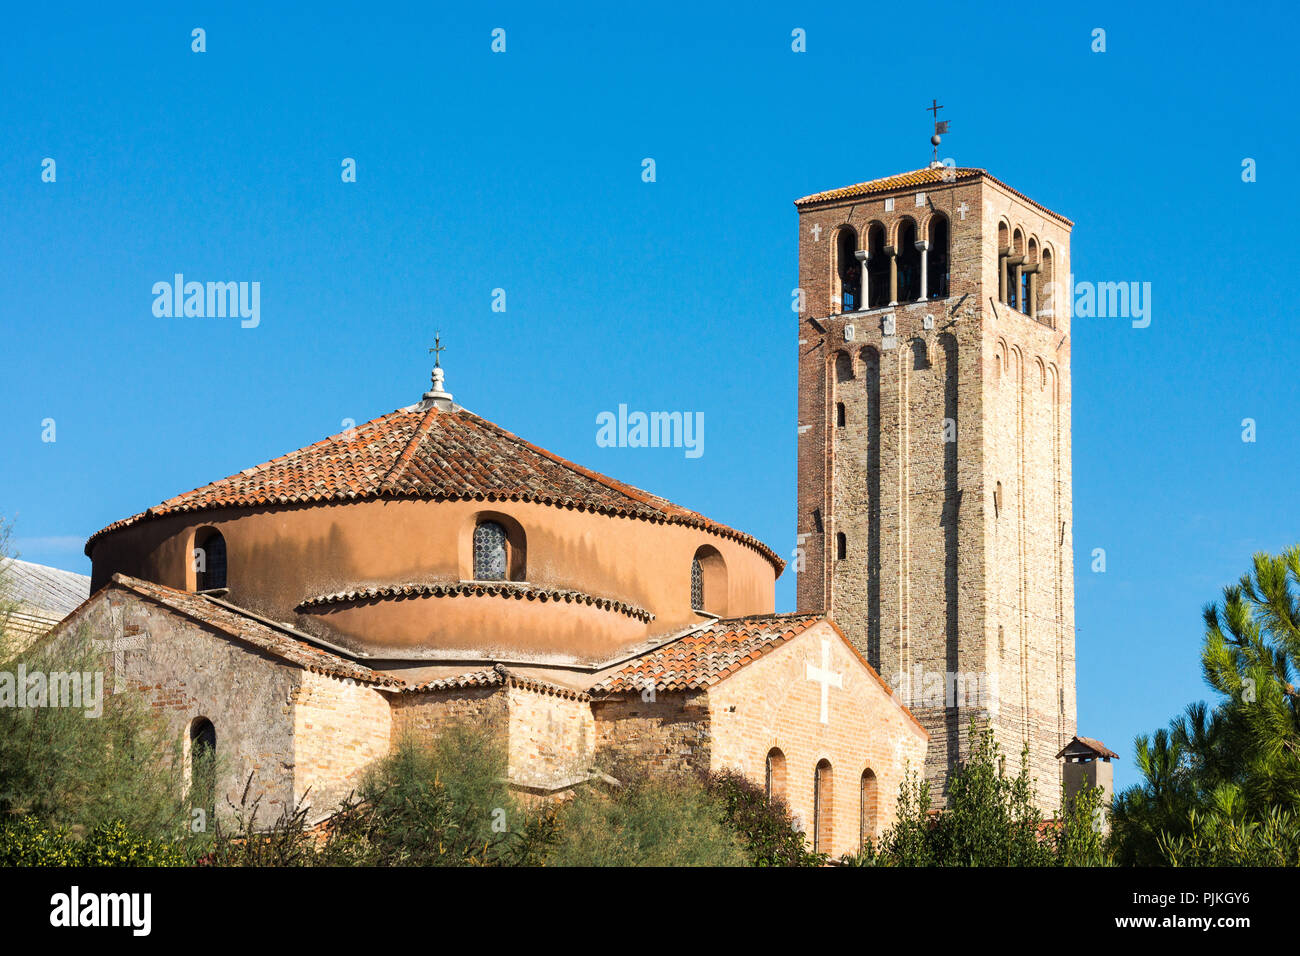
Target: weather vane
x=940, y=126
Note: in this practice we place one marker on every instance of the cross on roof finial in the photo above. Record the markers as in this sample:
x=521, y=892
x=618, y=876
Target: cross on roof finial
x=940, y=126
x=437, y=394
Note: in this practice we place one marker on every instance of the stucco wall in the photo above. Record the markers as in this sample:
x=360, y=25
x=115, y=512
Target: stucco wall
x=277, y=557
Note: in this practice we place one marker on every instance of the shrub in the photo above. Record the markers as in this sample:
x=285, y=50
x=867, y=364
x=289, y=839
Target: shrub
x=764, y=827
x=651, y=821
x=26, y=841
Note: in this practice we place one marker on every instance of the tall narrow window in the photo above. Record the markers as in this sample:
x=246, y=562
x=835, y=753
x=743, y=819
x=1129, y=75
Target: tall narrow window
x=203, y=769
x=697, y=585
x=209, y=561
x=867, y=814
x=841, y=546
x=849, y=270
x=839, y=414
x=909, y=263
x=877, y=267
x=489, y=552
x=936, y=265
x=775, y=774
x=822, y=807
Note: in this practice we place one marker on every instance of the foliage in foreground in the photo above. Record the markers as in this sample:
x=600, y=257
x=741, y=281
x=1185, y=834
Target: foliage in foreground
x=991, y=820
x=1222, y=784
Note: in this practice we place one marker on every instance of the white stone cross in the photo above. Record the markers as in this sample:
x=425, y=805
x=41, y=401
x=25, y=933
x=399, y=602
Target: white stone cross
x=119, y=644
x=826, y=677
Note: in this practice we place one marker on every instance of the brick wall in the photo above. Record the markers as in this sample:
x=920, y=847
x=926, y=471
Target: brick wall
x=929, y=570
x=340, y=728
x=867, y=741
x=668, y=734
x=552, y=737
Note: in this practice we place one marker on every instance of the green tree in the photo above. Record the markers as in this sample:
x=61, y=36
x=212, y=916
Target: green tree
x=1221, y=782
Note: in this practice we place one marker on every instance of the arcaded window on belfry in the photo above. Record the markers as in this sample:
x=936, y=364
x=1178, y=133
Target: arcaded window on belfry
x=936, y=265
x=850, y=270
x=697, y=585
x=489, y=552
x=909, y=263
x=209, y=561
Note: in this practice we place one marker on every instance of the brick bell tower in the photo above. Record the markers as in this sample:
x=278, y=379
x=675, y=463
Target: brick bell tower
x=934, y=453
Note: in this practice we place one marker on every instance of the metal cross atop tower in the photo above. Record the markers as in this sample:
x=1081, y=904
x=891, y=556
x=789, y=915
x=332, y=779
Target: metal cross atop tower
x=438, y=349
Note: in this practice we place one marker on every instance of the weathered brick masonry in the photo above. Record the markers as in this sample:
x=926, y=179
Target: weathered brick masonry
x=956, y=553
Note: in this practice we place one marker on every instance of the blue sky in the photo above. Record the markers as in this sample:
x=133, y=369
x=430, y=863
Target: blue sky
x=522, y=171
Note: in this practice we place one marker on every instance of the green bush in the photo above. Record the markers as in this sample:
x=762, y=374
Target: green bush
x=991, y=820
x=651, y=821
x=764, y=826
x=26, y=841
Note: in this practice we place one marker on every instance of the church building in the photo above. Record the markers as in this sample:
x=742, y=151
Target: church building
x=429, y=566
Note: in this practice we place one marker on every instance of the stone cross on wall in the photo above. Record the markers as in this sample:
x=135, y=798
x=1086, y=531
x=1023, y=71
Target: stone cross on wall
x=118, y=645
x=826, y=677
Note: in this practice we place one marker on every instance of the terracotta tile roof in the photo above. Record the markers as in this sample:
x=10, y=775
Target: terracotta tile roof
x=280, y=642
x=431, y=454
x=1082, y=744
x=920, y=177
x=477, y=589
x=495, y=676
x=709, y=655
x=488, y=677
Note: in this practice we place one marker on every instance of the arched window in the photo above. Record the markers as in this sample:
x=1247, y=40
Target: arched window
x=209, y=560
x=489, y=552
x=775, y=775
x=1015, y=274
x=709, y=581
x=1046, y=302
x=909, y=263
x=877, y=267
x=841, y=546
x=839, y=414
x=936, y=266
x=869, y=802
x=203, y=767
x=848, y=270
x=823, y=809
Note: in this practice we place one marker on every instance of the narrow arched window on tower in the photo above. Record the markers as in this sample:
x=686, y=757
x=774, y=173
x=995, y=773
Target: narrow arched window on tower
x=209, y=560
x=489, y=552
x=936, y=265
x=877, y=267
x=839, y=414
x=697, y=585
x=909, y=263
x=849, y=270
x=841, y=546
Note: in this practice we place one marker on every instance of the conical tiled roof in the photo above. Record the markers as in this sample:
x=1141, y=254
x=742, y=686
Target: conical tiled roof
x=430, y=453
